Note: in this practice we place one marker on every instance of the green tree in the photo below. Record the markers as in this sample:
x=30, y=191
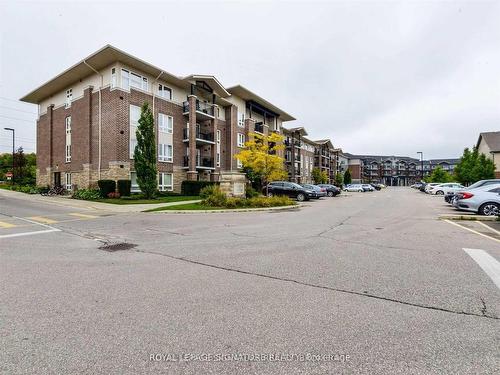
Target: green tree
x=347, y=177
x=339, y=179
x=473, y=167
x=439, y=175
x=145, y=153
x=319, y=176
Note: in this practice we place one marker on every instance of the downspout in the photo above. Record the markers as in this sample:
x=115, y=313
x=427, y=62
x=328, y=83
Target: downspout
x=99, y=121
x=153, y=90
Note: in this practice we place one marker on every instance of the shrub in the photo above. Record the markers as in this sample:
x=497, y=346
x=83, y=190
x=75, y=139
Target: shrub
x=274, y=201
x=114, y=195
x=166, y=194
x=124, y=187
x=250, y=192
x=213, y=196
x=106, y=187
x=87, y=194
x=194, y=187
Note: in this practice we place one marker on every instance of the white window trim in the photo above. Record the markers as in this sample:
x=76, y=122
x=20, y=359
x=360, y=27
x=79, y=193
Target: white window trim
x=134, y=188
x=241, y=140
x=169, y=128
x=68, y=184
x=129, y=73
x=241, y=120
x=160, y=95
x=161, y=181
x=218, y=139
x=134, y=128
x=163, y=153
x=69, y=97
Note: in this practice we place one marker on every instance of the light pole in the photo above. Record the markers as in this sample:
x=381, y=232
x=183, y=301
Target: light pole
x=421, y=163
x=13, y=151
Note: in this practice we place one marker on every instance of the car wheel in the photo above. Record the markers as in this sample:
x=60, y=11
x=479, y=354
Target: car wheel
x=439, y=192
x=489, y=209
x=301, y=197
x=330, y=193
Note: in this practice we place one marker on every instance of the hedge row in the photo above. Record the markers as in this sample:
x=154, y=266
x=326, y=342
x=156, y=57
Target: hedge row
x=194, y=187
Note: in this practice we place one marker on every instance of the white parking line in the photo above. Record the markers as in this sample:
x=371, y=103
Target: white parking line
x=471, y=230
x=488, y=227
x=490, y=265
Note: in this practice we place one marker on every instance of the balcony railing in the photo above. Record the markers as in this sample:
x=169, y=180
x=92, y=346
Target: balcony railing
x=259, y=127
x=202, y=107
x=200, y=162
x=199, y=135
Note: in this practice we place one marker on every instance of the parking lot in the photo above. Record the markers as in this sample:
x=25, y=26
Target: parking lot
x=361, y=283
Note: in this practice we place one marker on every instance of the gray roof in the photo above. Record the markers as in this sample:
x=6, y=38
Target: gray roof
x=492, y=139
x=407, y=159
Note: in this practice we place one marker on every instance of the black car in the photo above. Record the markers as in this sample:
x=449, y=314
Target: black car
x=331, y=190
x=376, y=186
x=289, y=189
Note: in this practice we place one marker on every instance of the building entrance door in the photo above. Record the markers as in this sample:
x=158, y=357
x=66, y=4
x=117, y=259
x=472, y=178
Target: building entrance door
x=57, y=179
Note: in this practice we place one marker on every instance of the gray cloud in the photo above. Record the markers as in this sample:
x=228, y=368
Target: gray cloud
x=392, y=78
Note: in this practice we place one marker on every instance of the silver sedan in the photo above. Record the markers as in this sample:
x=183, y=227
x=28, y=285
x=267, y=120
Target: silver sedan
x=483, y=202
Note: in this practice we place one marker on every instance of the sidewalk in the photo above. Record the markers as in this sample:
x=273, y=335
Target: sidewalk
x=89, y=205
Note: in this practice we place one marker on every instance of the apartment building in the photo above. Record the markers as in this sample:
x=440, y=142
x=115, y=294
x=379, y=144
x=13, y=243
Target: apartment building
x=88, y=117
x=394, y=170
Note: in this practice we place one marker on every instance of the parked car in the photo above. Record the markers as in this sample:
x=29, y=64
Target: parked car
x=443, y=189
x=417, y=185
x=376, y=186
x=320, y=191
x=428, y=186
x=289, y=189
x=367, y=187
x=450, y=199
x=331, y=190
x=354, y=187
x=483, y=201
x=422, y=187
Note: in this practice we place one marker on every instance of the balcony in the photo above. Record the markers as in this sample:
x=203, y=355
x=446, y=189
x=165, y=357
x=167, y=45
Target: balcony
x=204, y=111
x=201, y=162
x=259, y=127
x=201, y=138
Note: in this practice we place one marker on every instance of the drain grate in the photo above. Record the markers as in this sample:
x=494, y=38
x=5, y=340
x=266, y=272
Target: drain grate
x=117, y=247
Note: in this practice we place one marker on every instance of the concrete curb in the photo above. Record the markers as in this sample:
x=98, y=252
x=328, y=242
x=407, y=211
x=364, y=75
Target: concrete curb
x=283, y=208
x=467, y=217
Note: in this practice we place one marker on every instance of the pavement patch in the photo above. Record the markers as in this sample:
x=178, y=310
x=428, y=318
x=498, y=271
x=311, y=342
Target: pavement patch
x=43, y=220
x=83, y=216
x=4, y=224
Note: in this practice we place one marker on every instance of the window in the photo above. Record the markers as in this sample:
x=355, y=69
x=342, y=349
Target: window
x=241, y=120
x=113, y=78
x=164, y=92
x=165, y=181
x=69, y=97
x=217, y=161
x=239, y=164
x=130, y=79
x=68, y=139
x=135, y=114
x=165, y=152
x=68, y=184
x=134, y=186
x=241, y=140
x=165, y=123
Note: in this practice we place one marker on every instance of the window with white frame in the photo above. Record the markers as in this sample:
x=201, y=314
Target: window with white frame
x=241, y=120
x=165, y=123
x=135, y=115
x=239, y=164
x=68, y=139
x=131, y=79
x=69, y=97
x=218, y=148
x=113, y=78
x=134, y=186
x=68, y=184
x=165, y=152
x=164, y=92
x=241, y=140
x=165, y=181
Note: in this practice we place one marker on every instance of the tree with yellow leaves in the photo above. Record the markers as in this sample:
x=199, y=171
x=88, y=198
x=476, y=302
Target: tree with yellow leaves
x=260, y=158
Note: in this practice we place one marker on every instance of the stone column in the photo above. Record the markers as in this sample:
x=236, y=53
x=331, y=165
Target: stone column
x=192, y=173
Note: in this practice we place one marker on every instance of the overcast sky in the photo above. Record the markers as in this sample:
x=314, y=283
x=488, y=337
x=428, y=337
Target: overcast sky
x=374, y=77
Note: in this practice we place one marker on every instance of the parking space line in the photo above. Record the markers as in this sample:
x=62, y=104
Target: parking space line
x=489, y=228
x=41, y=219
x=490, y=265
x=84, y=216
x=472, y=230
x=3, y=224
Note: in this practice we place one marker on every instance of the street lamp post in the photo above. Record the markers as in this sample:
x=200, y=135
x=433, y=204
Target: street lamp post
x=421, y=163
x=13, y=151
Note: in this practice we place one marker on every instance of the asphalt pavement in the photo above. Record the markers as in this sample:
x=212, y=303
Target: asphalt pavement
x=362, y=283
